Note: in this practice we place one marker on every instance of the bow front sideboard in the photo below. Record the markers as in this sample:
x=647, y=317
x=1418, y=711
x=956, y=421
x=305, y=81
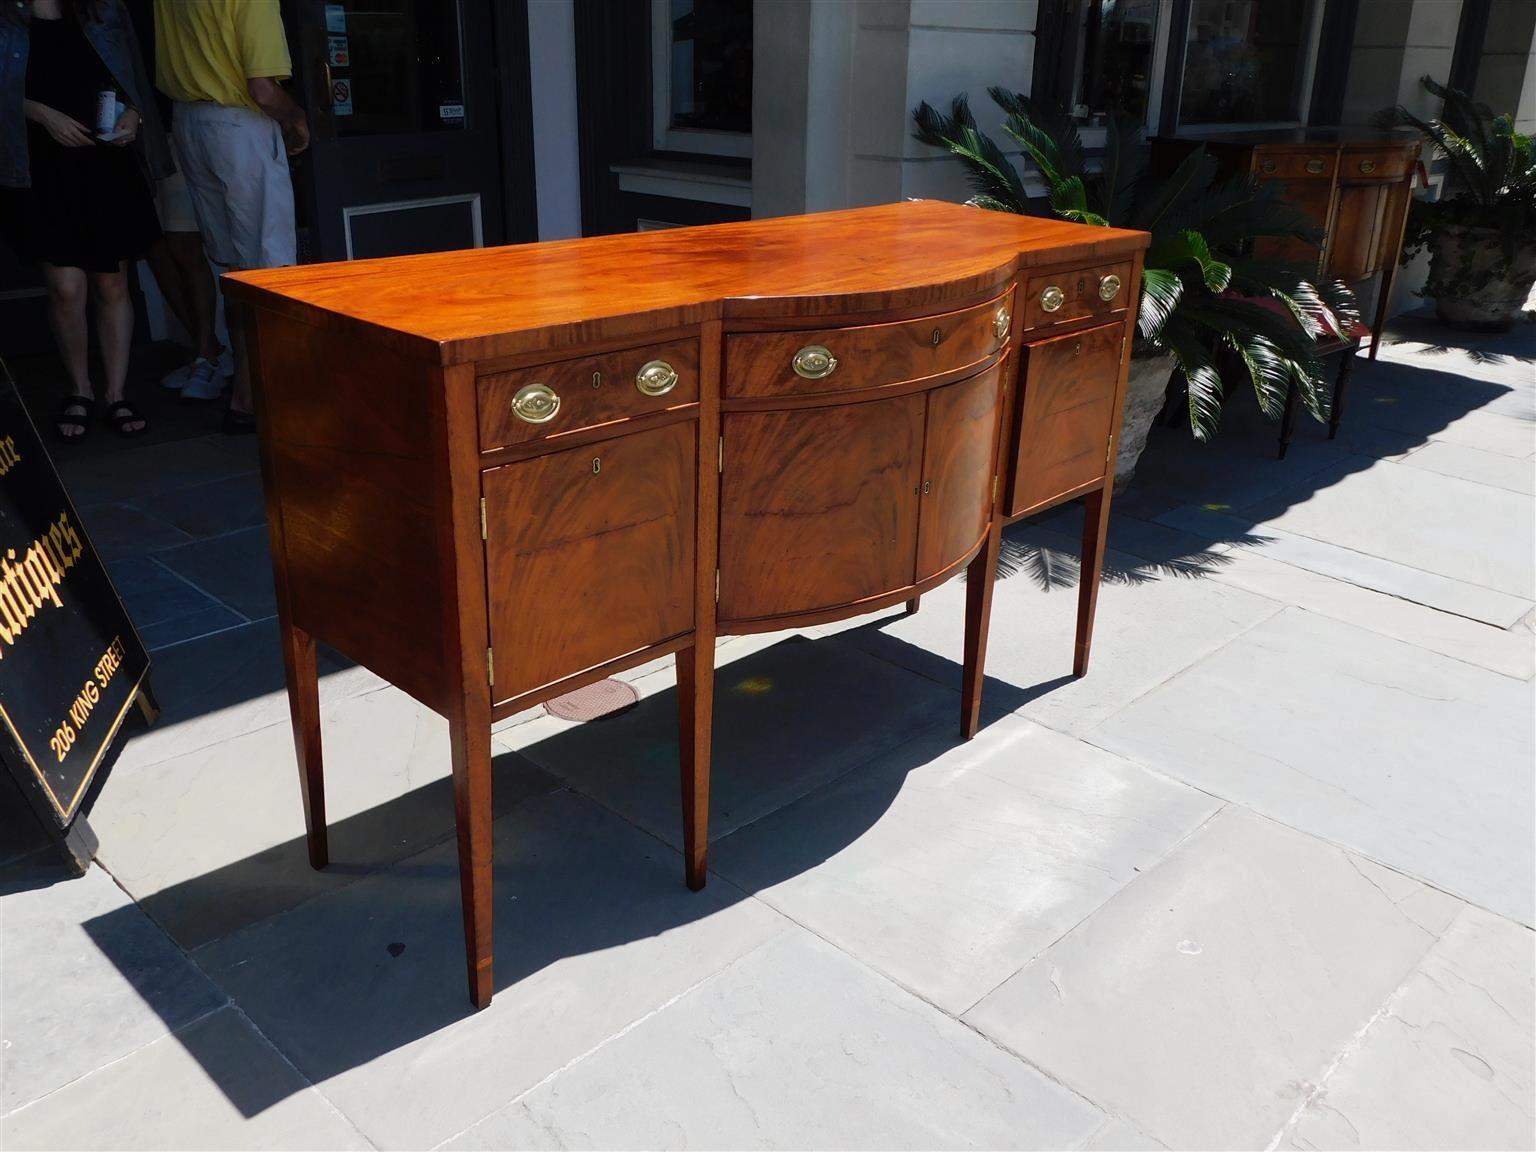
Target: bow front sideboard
x=497, y=475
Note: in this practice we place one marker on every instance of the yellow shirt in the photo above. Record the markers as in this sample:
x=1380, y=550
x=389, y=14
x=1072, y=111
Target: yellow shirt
x=208, y=49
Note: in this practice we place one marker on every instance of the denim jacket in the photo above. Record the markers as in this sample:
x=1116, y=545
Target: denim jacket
x=111, y=33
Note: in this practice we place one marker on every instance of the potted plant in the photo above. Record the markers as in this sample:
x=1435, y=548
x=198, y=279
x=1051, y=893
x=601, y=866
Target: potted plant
x=1482, y=236
x=1200, y=291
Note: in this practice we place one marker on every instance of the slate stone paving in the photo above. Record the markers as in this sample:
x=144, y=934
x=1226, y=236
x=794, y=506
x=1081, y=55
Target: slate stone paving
x=1265, y=879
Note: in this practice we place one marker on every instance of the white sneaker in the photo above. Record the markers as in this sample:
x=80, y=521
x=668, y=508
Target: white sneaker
x=176, y=379
x=203, y=381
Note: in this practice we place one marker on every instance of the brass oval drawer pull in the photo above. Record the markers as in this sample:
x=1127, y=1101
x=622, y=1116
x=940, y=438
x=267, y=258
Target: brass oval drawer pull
x=1367, y=166
x=1268, y=166
x=656, y=378
x=814, y=362
x=1109, y=286
x=1000, y=323
x=1314, y=166
x=1052, y=298
x=536, y=403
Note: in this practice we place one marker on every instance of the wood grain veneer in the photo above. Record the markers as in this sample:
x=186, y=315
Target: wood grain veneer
x=485, y=563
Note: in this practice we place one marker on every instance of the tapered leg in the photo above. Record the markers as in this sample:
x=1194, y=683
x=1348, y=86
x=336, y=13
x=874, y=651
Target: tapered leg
x=980, y=577
x=1288, y=417
x=1095, y=532
x=695, y=721
x=1340, y=386
x=912, y=605
x=304, y=709
x=469, y=735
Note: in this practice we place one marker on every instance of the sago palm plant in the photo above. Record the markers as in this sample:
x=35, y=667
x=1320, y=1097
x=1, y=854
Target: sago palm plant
x=1481, y=232
x=1199, y=288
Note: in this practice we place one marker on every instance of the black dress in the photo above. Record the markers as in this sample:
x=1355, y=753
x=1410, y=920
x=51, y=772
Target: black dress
x=88, y=207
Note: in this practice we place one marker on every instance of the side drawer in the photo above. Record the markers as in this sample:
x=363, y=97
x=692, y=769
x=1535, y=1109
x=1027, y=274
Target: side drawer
x=1083, y=293
x=542, y=402
x=589, y=554
x=1376, y=163
x=1293, y=165
x=1066, y=412
x=841, y=359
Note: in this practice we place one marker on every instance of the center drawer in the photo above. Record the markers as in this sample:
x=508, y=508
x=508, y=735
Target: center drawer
x=545, y=401
x=871, y=356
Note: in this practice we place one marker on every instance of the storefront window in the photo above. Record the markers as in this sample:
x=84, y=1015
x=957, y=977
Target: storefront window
x=703, y=76
x=1118, y=38
x=1244, y=61
x=394, y=66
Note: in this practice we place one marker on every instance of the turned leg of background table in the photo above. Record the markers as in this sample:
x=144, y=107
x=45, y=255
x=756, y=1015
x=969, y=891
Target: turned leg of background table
x=980, y=576
x=469, y=735
x=1095, y=532
x=302, y=671
x=695, y=721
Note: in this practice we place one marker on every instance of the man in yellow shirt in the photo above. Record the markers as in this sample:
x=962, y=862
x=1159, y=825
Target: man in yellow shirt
x=234, y=125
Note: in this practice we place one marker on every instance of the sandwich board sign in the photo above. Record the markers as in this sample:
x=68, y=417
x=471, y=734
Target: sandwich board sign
x=71, y=663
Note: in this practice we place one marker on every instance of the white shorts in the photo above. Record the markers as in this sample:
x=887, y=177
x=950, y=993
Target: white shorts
x=236, y=168
x=173, y=201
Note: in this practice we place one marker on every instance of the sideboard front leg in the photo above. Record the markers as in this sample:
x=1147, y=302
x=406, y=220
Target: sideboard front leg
x=1095, y=533
x=302, y=672
x=980, y=577
x=695, y=722
x=470, y=739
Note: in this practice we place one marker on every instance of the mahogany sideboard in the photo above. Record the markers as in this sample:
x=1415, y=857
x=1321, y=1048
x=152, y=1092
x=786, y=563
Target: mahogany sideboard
x=1354, y=184
x=496, y=475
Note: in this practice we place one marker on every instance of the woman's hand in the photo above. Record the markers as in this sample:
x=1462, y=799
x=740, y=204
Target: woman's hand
x=127, y=128
x=65, y=129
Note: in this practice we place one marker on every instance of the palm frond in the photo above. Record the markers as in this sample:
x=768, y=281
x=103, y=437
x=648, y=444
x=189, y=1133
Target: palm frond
x=990, y=172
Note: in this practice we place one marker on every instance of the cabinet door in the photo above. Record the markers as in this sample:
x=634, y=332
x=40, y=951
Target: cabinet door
x=959, y=463
x=589, y=554
x=818, y=506
x=1313, y=198
x=1066, y=410
x=1357, y=227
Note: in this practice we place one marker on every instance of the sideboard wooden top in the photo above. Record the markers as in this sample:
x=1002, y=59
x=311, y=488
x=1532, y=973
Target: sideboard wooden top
x=455, y=306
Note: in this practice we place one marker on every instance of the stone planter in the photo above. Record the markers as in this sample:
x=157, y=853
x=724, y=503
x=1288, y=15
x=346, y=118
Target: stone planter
x=1474, y=287
x=1144, y=391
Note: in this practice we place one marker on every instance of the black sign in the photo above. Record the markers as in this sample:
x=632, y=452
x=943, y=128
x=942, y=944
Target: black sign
x=70, y=660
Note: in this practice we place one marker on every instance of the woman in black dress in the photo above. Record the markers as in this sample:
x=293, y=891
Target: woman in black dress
x=84, y=209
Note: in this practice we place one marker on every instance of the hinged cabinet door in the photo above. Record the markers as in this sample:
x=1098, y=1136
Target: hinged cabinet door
x=818, y=506
x=959, y=463
x=1066, y=412
x=589, y=555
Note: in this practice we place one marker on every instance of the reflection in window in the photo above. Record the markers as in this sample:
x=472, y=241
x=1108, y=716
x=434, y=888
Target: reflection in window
x=711, y=65
x=395, y=66
x=1244, y=60
x=1114, y=62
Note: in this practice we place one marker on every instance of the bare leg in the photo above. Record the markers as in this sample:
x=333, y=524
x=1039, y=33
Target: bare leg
x=114, y=333
x=162, y=263
x=186, y=249
x=67, y=292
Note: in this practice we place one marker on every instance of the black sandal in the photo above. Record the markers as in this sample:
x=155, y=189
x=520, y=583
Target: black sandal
x=80, y=420
x=121, y=413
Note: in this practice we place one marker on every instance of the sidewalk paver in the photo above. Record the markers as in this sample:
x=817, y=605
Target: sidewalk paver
x=1448, y=1063
x=1202, y=1000
x=794, y=1046
x=1412, y=758
x=948, y=866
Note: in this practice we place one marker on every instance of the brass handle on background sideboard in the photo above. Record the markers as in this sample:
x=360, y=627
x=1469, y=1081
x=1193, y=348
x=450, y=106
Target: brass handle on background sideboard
x=1000, y=323
x=1109, y=286
x=1314, y=166
x=1367, y=166
x=656, y=378
x=1268, y=167
x=814, y=362
x=1052, y=298
x=536, y=403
